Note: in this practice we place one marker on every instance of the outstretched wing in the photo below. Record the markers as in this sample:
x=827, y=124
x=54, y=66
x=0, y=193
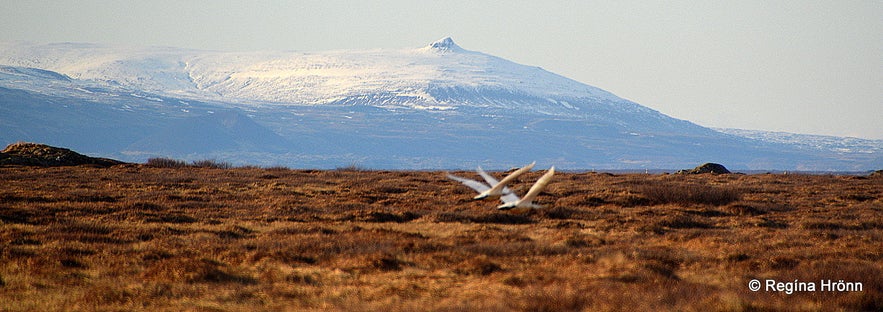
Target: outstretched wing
x=487, y=178
x=509, y=198
x=539, y=185
x=492, y=181
x=475, y=185
x=502, y=184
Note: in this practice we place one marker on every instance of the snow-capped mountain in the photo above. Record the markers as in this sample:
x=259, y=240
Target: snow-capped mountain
x=437, y=76
x=438, y=106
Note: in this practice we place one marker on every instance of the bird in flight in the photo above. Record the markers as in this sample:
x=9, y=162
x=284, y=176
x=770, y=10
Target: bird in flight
x=492, y=187
x=521, y=205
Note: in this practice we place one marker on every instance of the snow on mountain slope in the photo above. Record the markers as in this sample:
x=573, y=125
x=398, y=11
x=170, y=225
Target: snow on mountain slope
x=147, y=69
x=439, y=106
x=423, y=78
x=819, y=142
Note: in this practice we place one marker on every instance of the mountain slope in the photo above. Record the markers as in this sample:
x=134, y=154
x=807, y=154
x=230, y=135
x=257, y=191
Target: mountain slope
x=431, y=107
x=429, y=77
x=852, y=150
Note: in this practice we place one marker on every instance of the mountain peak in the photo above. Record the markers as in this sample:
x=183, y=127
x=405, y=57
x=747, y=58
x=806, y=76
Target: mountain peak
x=445, y=44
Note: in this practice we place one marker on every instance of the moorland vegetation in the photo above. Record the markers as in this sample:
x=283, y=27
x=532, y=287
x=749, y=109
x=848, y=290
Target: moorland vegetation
x=141, y=237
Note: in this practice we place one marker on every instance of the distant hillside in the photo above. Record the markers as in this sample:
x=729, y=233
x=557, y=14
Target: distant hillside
x=854, y=150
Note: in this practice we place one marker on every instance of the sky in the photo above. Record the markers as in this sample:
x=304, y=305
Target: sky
x=804, y=66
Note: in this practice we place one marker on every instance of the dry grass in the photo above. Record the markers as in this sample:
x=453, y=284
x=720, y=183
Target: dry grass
x=143, y=238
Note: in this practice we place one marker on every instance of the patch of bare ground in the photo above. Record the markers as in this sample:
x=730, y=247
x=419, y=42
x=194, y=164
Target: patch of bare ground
x=136, y=237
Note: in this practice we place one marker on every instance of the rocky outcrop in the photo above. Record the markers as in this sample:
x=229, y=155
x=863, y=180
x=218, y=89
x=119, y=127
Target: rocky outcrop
x=33, y=154
x=706, y=168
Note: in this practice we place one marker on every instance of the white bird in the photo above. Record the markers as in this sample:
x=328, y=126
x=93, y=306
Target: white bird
x=522, y=204
x=493, y=188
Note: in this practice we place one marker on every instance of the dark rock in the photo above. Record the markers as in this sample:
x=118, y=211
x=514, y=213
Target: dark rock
x=706, y=168
x=33, y=154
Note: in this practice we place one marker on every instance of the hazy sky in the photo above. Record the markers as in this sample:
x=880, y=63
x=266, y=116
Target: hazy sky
x=800, y=66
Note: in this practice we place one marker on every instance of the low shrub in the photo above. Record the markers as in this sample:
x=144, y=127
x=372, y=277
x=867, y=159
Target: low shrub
x=162, y=162
x=687, y=194
x=211, y=163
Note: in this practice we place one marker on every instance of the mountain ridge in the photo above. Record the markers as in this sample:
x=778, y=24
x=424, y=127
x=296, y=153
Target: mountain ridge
x=438, y=106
